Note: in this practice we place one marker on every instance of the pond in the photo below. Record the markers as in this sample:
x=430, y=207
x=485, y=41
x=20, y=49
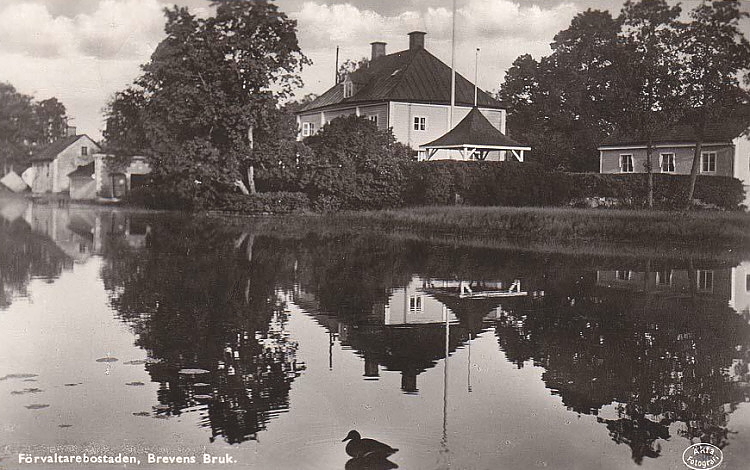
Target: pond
x=165, y=338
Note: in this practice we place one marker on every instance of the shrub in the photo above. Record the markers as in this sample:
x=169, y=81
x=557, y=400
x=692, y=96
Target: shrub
x=274, y=203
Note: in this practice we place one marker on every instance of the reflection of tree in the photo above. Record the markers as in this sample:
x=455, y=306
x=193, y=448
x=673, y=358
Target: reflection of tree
x=203, y=297
x=661, y=356
x=23, y=255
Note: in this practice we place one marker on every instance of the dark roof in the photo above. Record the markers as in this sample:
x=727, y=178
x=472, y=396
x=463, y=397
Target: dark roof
x=412, y=75
x=474, y=129
x=717, y=132
x=82, y=171
x=51, y=151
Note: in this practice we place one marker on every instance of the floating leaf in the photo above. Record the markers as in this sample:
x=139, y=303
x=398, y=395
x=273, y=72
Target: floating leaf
x=73, y=385
x=141, y=413
x=135, y=384
x=201, y=384
x=64, y=425
x=203, y=397
x=107, y=359
x=136, y=362
x=18, y=376
x=36, y=406
x=161, y=407
x=26, y=390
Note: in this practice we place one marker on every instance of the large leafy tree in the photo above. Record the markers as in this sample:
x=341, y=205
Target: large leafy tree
x=26, y=124
x=564, y=103
x=716, y=53
x=649, y=71
x=211, y=86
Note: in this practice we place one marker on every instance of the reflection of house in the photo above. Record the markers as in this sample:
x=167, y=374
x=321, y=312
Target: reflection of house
x=715, y=283
x=54, y=163
x=740, y=297
x=726, y=152
x=408, y=91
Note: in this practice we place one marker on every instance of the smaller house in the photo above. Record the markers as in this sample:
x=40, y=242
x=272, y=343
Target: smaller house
x=117, y=183
x=725, y=152
x=54, y=163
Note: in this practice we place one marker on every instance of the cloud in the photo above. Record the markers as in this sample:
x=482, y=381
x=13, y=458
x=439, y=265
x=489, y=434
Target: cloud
x=115, y=29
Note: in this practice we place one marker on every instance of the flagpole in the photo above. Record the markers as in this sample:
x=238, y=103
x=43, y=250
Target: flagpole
x=453, y=65
x=476, y=76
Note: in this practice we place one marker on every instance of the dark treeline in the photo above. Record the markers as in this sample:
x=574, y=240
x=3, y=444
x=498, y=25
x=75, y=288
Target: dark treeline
x=636, y=73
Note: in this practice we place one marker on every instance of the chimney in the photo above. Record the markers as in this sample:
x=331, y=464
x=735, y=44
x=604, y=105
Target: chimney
x=416, y=40
x=70, y=131
x=378, y=50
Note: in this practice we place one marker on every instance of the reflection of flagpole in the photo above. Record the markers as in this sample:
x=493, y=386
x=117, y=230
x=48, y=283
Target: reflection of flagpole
x=453, y=67
x=469, y=365
x=445, y=379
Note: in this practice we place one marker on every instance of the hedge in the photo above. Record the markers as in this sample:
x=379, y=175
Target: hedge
x=530, y=184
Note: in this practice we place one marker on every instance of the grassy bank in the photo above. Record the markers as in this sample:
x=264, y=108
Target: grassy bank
x=724, y=235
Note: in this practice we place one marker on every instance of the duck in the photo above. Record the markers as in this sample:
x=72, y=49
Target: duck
x=358, y=448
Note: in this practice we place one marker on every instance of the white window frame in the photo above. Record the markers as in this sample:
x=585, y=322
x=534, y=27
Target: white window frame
x=705, y=280
x=308, y=129
x=419, y=123
x=415, y=303
x=373, y=118
x=623, y=158
x=670, y=156
x=664, y=278
x=708, y=159
x=348, y=88
x=623, y=275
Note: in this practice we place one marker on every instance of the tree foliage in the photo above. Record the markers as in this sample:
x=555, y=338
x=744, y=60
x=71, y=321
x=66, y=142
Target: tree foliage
x=356, y=166
x=211, y=86
x=26, y=124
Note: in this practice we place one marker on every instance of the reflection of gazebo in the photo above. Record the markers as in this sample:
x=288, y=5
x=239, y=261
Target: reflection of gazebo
x=475, y=137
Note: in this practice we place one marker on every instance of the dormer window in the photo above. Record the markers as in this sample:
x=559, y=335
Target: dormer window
x=348, y=88
x=84, y=151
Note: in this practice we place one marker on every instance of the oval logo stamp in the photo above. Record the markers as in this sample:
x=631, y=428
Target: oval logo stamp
x=702, y=456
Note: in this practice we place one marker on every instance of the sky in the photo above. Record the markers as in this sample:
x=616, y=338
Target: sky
x=83, y=51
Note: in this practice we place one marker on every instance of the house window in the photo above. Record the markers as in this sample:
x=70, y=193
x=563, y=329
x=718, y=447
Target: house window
x=373, y=118
x=666, y=162
x=420, y=123
x=308, y=129
x=626, y=163
x=348, y=89
x=84, y=151
x=705, y=280
x=623, y=275
x=415, y=303
x=664, y=278
x=747, y=282
x=708, y=162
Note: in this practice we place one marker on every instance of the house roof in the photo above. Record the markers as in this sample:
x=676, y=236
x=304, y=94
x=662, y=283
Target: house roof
x=82, y=171
x=717, y=132
x=51, y=151
x=413, y=75
x=474, y=131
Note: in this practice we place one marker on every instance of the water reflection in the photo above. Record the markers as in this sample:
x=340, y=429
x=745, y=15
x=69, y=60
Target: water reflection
x=650, y=349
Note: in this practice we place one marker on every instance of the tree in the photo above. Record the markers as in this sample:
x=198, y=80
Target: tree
x=350, y=66
x=356, y=165
x=649, y=72
x=25, y=124
x=563, y=104
x=716, y=53
x=210, y=87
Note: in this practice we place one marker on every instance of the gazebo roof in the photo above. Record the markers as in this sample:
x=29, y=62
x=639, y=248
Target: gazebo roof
x=475, y=131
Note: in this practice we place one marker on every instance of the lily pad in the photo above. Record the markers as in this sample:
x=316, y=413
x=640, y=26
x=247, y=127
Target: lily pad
x=161, y=407
x=201, y=384
x=73, y=384
x=136, y=362
x=193, y=371
x=18, y=376
x=64, y=425
x=135, y=384
x=26, y=390
x=141, y=413
x=107, y=359
x=202, y=397
x=37, y=406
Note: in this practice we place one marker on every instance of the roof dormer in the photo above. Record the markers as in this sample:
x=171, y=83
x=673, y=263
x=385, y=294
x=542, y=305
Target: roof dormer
x=349, y=88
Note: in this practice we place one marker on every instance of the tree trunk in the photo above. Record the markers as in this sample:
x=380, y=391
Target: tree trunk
x=694, y=170
x=650, y=171
x=251, y=179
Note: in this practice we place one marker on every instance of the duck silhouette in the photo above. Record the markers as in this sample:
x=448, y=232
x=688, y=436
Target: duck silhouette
x=359, y=448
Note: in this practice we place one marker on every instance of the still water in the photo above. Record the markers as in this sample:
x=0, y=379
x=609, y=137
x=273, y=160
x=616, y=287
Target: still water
x=137, y=334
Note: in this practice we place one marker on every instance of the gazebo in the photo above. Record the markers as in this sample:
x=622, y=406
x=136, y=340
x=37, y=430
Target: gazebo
x=475, y=137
